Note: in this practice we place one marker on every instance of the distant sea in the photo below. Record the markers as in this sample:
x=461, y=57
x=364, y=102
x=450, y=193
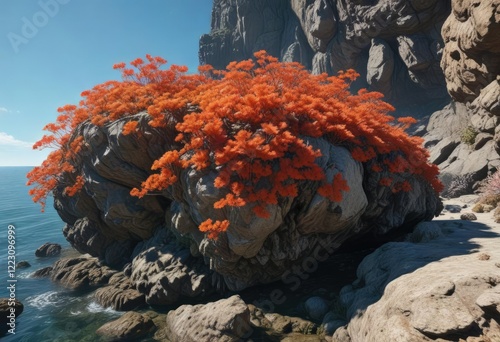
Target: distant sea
x=51, y=313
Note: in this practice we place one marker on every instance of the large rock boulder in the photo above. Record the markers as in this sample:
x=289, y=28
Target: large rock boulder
x=174, y=259
x=132, y=326
x=225, y=320
x=441, y=283
x=395, y=45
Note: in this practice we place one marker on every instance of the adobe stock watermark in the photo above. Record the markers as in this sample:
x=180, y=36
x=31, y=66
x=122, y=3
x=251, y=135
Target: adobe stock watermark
x=31, y=26
x=11, y=281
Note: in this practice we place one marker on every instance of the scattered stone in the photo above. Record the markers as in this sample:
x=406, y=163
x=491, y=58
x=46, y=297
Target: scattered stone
x=468, y=217
x=43, y=272
x=23, y=264
x=48, y=250
x=316, y=308
x=6, y=310
x=453, y=208
x=276, y=325
x=484, y=256
x=224, y=320
x=83, y=273
x=132, y=326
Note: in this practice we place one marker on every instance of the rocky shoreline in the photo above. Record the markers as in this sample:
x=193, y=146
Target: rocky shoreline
x=438, y=282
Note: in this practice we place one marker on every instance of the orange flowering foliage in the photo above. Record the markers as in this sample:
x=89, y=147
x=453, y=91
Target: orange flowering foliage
x=104, y=103
x=248, y=123
x=213, y=228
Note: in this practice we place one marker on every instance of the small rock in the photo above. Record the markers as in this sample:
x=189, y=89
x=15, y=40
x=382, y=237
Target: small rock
x=48, y=250
x=42, y=273
x=330, y=326
x=468, y=217
x=483, y=256
x=132, y=326
x=316, y=308
x=23, y=264
x=225, y=320
x=452, y=208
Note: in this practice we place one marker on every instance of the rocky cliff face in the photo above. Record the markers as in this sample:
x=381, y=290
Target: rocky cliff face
x=464, y=137
x=395, y=45
x=414, y=52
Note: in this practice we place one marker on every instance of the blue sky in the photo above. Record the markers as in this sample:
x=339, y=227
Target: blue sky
x=52, y=50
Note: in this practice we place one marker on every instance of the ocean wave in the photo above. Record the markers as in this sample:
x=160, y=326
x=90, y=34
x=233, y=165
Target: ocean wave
x=94, y=307
x=52, y=299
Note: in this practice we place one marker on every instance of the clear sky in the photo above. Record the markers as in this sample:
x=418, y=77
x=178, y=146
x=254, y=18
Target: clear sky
x=52, y=50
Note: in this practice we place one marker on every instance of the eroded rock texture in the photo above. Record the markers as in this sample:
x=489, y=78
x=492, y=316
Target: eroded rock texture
x=442, y=284
x=226, y=320
x=395, y=45
x=464, y=136
x=168, y=258
x=471, y=55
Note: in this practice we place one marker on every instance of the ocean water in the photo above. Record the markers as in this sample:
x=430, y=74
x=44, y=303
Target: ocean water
x=51, y=313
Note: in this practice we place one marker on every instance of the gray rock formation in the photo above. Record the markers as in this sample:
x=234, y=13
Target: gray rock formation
x=23, y=264
x=464, y=138
x=105, y=220
x=132, y=326
x=395, y=45
x=472, y=52
x=168, y=260
x=225, y=320
x=42, y=272
x=48, y=250
x=463, y=147
x=168, y=273
x=441, y=283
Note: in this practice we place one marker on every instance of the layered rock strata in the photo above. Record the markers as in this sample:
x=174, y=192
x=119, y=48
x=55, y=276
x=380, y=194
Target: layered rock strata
x=395, y=45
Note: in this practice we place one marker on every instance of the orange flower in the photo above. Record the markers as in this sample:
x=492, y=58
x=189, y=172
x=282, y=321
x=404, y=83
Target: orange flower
x=213, y=228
